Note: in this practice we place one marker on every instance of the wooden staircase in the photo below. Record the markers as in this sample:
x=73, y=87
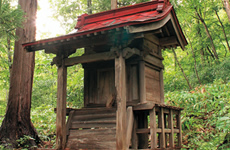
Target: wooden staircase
x=91, y=128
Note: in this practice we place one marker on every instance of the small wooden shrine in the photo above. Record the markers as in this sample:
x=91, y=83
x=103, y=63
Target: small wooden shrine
x=123, y=79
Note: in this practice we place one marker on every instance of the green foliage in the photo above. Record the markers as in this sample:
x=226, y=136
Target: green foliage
x=174, y=80
x=25, y=142
x=205, y=118
x=45, y=78
x=10, y=19
x=43, y=118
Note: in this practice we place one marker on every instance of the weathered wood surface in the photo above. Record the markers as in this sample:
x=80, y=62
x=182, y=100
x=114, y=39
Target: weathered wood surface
x=142, y=81
x=158, y=130
x=154, y=61
x=61, y=106
x=92, y=139
x=93, y=124
x=120, y=84
x=162, y=126
x=130, y=121
x=89, y=58
x=153, y=128
x=143, y=123
x=106, y=86
x=162, y=98
x=171, y=126
x=144, y=106
x=152, y=85
x=92, y=128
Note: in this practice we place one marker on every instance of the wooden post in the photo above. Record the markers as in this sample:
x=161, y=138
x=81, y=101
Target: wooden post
x=61, y=106
x=180, y=129
x=120, y=84
x=142, y=81
x=153, y=128
x=162, y=86
x=161, y=125
x=171, y=126
x=113, y=4
x=130, y=121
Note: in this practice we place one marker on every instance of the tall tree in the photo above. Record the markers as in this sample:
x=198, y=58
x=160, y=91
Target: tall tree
x=227, y=8
x=89, y=4
x=182, y=70
x=17, y=122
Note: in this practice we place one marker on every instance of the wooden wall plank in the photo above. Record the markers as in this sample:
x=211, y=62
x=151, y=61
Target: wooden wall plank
x=61, y=106
x=120, y=84
x=142, y=83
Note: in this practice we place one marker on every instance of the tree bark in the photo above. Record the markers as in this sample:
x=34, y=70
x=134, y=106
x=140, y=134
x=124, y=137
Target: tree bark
x=17, y=122
x=182, y=70
x=227, y=8
x=222, y=26
x=89, y=5
x=201, y=49
x=113, y=4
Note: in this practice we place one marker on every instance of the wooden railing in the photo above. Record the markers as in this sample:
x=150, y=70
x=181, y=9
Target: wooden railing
x=157, y=127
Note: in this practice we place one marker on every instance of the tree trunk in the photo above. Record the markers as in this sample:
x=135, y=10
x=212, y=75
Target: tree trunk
x=208, y=34
x=201, y=49
x=222, y=26
x=89, y=5
x=17, y=121
x=113, y=4
x=189, y=85
x=227, y=8
x=194, y=57
x=9, y=54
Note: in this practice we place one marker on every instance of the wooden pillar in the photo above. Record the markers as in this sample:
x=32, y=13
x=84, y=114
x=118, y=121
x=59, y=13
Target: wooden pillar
x=162, y=86
x=161, y=125
x=113, y=4
x=61, y=106
x=171, y=126
x=180, y=129
x=153, y=128
x=142, y=81
x=120, y=84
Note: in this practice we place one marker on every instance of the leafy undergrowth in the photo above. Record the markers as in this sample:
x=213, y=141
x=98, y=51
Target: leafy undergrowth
x=44, y=120
x=206, y=115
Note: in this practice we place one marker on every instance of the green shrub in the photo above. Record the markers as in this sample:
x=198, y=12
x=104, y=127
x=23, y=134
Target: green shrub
x=206, y=114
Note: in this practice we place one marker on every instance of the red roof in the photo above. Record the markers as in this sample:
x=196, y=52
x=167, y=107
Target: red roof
x=135, y=14
x=141, y=13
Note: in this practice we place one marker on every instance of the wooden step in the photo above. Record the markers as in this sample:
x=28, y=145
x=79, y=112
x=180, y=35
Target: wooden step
x=93, y=124
x=86, y=111
x=92, y=139
x=92, y=128
x=85, y=117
